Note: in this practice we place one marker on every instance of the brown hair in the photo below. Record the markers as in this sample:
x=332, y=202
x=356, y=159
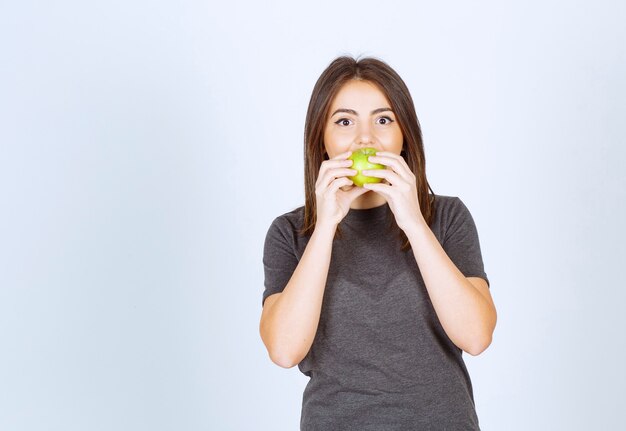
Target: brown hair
x=340, y=71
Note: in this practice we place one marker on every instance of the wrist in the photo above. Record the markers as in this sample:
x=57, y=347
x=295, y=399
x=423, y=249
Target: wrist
x=416, y=228
x=325, y=228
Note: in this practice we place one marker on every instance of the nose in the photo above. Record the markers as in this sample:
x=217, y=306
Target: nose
x=364, y=135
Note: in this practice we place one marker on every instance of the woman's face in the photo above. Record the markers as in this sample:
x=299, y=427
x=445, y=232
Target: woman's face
x=361, y=116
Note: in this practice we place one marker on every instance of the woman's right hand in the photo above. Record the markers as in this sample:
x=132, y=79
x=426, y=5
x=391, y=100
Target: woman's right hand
x=332, y=202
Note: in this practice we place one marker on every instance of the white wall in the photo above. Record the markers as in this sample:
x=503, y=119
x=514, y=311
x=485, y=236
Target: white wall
x=145, y=147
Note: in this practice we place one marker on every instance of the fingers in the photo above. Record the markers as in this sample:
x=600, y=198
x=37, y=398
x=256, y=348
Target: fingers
x=378, y=188
x=334, y=168
x=339, y=161
x=333, y=174
x=356, y=192
x=339, y=182
x=395, y=162
x=386, y=174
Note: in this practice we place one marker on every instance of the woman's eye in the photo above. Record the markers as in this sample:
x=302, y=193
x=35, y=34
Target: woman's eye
x=342, y=120
x=387, y=120
x=346, y=122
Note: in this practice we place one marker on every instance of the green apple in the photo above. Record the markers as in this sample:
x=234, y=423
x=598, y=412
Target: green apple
x=360, y=163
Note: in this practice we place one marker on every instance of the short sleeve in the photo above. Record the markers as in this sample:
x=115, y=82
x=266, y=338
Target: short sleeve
x=279, y=259
x=461, y=242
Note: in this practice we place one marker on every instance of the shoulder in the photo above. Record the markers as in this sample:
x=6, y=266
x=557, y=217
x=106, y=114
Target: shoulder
x=450, y=203
x=288, y=223
x=445, y=200
x=450, y=213
x=283, y=233
x=445, y=206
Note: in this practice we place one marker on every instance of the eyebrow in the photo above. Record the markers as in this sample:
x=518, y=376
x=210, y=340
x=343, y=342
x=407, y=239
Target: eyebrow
x=353, y=112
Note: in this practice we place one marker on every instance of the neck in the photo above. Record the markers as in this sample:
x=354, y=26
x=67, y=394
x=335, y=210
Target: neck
x=368, y=200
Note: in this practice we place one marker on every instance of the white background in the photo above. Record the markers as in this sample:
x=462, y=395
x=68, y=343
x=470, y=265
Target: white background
x=145, y=148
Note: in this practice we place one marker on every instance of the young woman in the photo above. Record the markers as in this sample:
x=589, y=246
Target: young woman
x=375, y=291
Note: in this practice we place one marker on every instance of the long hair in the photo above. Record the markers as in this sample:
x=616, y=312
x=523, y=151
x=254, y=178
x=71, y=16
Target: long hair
x=340, y=71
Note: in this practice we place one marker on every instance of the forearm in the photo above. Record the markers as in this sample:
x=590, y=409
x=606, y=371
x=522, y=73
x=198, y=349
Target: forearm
x=465, y=314
x=294, y=317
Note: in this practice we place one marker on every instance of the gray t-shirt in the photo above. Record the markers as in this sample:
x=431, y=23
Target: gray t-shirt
x=380, y=359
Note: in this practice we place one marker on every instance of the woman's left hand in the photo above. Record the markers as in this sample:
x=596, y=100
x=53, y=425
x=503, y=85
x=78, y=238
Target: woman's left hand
x=401, y=190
